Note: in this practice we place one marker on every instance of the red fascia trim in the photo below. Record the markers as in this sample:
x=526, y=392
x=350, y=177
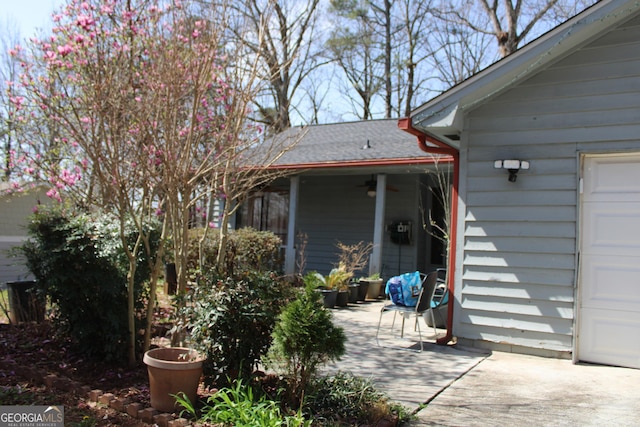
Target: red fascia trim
x=442, y=148
x=364, y=163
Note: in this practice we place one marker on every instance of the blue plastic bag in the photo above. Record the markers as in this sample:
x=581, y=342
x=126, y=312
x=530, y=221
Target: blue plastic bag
x=404, y=289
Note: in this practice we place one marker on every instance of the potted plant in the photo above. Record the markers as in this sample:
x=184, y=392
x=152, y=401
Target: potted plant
x=172, y=370
x=354, y=258
x=338, y=279
x=318, y=282
x=353, y=289
x=374, y=286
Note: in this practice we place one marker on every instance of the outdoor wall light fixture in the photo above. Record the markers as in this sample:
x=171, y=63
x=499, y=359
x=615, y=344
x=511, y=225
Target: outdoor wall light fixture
x=513, y=166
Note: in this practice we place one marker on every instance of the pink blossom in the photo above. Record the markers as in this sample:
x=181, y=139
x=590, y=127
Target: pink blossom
x=53, y=194
x=85, y=21
x=65, y=50
x=50, y=55
x=17, y=101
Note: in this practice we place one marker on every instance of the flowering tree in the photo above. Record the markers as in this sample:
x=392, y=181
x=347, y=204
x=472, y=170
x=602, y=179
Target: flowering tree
x=149, y=113
x=9, y=70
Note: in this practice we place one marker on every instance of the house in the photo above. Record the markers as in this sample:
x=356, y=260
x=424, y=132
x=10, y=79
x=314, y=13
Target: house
x=546, y=257
x=15, y=208
x=350, y=182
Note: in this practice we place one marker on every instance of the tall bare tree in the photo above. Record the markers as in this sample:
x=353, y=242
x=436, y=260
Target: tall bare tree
x=459, y=53
x=355, y=47
x=414, y=47
x=510, y=22
x=281, y=34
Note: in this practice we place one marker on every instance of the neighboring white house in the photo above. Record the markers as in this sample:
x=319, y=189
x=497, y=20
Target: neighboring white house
x=15, y=209
x=549, y=263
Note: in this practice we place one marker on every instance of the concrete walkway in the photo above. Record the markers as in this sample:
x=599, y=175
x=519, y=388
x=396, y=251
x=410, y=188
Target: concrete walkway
x=463, y=387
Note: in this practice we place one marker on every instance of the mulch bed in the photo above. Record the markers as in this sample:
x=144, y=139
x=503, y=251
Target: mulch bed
x=38, y=369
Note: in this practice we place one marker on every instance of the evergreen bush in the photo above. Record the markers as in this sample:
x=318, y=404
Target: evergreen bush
x=231, y=320
x=80, y=265
x=246, y=249
x=303, y=339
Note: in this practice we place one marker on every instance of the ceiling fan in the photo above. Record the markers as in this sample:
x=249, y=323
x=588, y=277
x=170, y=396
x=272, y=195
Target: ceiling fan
x=371, y=185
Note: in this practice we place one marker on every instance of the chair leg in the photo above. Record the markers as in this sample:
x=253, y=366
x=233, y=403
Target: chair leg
x=433, y=323
x=419, y=332
x=378, y=330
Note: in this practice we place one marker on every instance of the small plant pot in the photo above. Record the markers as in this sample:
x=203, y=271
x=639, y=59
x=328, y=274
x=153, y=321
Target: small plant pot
x=362, y=290
x=342, y=300
x=171, y=371
x=329, y=297
x=353, y=292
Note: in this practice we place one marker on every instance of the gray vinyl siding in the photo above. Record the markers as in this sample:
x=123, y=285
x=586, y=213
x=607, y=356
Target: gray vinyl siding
x=332, y=209
x=519, y=251
x=401, y=205
x=337, y=208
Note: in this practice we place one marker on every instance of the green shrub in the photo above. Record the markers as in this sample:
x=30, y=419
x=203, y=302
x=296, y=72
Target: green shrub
x=349, y=399
x=304, y=338
x=246, y=250
x=231, y=320
x=80, y=264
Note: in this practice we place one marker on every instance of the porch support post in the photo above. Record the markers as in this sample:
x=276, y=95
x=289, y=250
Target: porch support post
x=290, y=251
x=375, y=264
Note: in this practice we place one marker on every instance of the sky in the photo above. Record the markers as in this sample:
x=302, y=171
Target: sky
x=27, y=15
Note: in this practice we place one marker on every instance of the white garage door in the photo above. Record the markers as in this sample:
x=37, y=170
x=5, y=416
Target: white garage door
x=609, y=289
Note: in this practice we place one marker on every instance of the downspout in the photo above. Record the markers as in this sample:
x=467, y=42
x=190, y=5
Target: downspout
x=442, y=148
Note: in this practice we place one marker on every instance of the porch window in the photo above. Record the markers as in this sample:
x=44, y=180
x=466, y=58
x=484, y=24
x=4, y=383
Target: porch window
x=267, y=211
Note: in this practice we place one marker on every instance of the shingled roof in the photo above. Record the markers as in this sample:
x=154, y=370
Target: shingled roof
x=350, y=142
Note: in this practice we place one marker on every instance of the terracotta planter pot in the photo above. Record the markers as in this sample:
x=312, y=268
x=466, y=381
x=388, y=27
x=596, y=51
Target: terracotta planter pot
x=171, y=371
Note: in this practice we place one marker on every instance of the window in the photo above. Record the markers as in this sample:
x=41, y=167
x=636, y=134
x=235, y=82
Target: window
x=267, y=211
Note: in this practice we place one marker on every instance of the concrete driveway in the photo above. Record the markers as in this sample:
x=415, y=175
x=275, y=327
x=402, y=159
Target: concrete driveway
x=453, y=386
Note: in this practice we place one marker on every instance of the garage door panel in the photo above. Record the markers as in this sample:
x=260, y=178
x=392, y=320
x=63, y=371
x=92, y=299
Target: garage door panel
x=612, y=228
x=610, y=337
x=611, y=282
x=609, y=287
x=609, y=179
